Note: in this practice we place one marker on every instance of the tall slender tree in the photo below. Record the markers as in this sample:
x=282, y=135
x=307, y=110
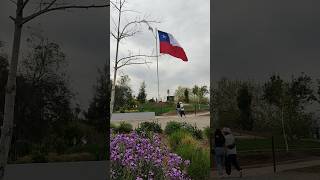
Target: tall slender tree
x=21, y=18
x=142, y=93
x=121, y=31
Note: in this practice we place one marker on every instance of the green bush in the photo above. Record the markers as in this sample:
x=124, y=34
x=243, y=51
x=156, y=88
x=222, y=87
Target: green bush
x=124, y=127
x=207, y=132
x=38, y=157
x=174, y=126
x=113, y=126
x=197, y=133
x=199, y=160
x=175, y=139
x=149, y=127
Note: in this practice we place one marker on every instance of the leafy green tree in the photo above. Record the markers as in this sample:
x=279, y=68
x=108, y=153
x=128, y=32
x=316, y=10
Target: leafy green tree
x=244, y=103
x=274, y=93
x=186, y=95
x=142, y=93
x=124, y=99
x=179, y=93
x=96, y=113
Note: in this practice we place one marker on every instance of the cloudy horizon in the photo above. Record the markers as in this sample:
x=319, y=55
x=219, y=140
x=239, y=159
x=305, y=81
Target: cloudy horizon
x=82, y=35
x=189, y=23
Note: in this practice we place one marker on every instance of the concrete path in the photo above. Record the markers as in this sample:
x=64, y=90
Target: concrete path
x=282, y=172
x=201, y=120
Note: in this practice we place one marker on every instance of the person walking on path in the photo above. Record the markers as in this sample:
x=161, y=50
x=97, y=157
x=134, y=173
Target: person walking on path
x=182, y=110
x=231, y=152
x=219, y=151
x=178, y=109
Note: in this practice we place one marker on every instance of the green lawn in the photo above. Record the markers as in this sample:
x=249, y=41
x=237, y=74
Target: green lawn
x=264, y=144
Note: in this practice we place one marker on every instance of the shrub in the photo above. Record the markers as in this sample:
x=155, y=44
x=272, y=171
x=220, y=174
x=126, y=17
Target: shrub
x=149, y=127
x=207, y=132
x=172, y=127
x=134, y=156
x=113, y=126
x=38, y=157
x=200, y=163
x=175, y=139
x=124, y=128
x=197, y=133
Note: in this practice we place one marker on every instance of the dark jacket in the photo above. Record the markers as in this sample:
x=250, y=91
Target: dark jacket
x=219, y=141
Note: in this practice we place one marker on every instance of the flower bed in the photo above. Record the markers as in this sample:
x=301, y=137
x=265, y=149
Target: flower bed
x=140, y=157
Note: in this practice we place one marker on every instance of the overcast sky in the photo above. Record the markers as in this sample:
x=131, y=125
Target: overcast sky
x=253, y=39
x=82, y=35
x=189, y=23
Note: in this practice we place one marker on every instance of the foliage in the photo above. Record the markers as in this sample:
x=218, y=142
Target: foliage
x=207, y=132
x=174, y=126
x=186, y=95
x=244, y=104
x=175, y=138
x=137, y=157
x=200, y=162
x=142, y=93
x=123, y=97
x=124, y=127
x=149, y=127
x=96, y=113
x=179, y=94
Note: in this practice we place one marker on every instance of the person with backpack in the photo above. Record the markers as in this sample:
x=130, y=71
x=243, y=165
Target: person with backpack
x=178, y=109
x=182, y=110
x=231, y=152
x=219, y=152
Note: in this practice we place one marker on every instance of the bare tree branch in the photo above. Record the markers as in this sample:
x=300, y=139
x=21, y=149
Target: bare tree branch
x=134, y=56
x=48, y=9
x=25, y=3
x=14, y=2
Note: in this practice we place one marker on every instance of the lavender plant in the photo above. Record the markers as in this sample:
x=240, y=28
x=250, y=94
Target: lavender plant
x=137, y=157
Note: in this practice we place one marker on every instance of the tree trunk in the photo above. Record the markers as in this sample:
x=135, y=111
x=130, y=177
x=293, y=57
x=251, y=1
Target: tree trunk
x=113, y=92
x=284, y=131
x=114, y=82
x=8, y=120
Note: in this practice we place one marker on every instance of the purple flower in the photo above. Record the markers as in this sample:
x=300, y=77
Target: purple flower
x=144, y=158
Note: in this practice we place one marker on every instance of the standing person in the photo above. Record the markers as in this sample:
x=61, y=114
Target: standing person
x=219, y=143
x=182, y=110
x=231, y=152
x=178, y=109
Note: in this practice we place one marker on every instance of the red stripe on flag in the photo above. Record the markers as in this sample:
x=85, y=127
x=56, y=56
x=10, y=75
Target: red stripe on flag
x=174, y=51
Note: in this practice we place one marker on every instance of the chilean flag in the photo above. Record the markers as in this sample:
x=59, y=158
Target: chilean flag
x=169, y=45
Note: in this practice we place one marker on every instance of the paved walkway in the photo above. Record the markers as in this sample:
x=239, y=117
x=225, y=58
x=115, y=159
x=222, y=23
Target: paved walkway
x=282, y=172
x=201, y=120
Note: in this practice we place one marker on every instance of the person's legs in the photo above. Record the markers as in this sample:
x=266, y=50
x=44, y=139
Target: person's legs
x=219, y=156
x=228, y=165
x=235, y=162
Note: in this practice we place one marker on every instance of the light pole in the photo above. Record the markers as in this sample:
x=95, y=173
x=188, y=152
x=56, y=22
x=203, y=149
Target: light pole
x=155, y=36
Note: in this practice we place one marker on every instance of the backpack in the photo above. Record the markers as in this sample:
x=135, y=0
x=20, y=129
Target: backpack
x=178, y=105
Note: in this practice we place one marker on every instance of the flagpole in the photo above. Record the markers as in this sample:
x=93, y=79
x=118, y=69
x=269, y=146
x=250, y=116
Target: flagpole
x=157, y=54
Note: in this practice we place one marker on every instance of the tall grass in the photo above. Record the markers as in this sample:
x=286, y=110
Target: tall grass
x=186, y=146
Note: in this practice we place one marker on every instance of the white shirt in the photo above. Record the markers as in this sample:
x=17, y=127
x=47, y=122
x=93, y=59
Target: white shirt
x=181, y=107
x=229, y=141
